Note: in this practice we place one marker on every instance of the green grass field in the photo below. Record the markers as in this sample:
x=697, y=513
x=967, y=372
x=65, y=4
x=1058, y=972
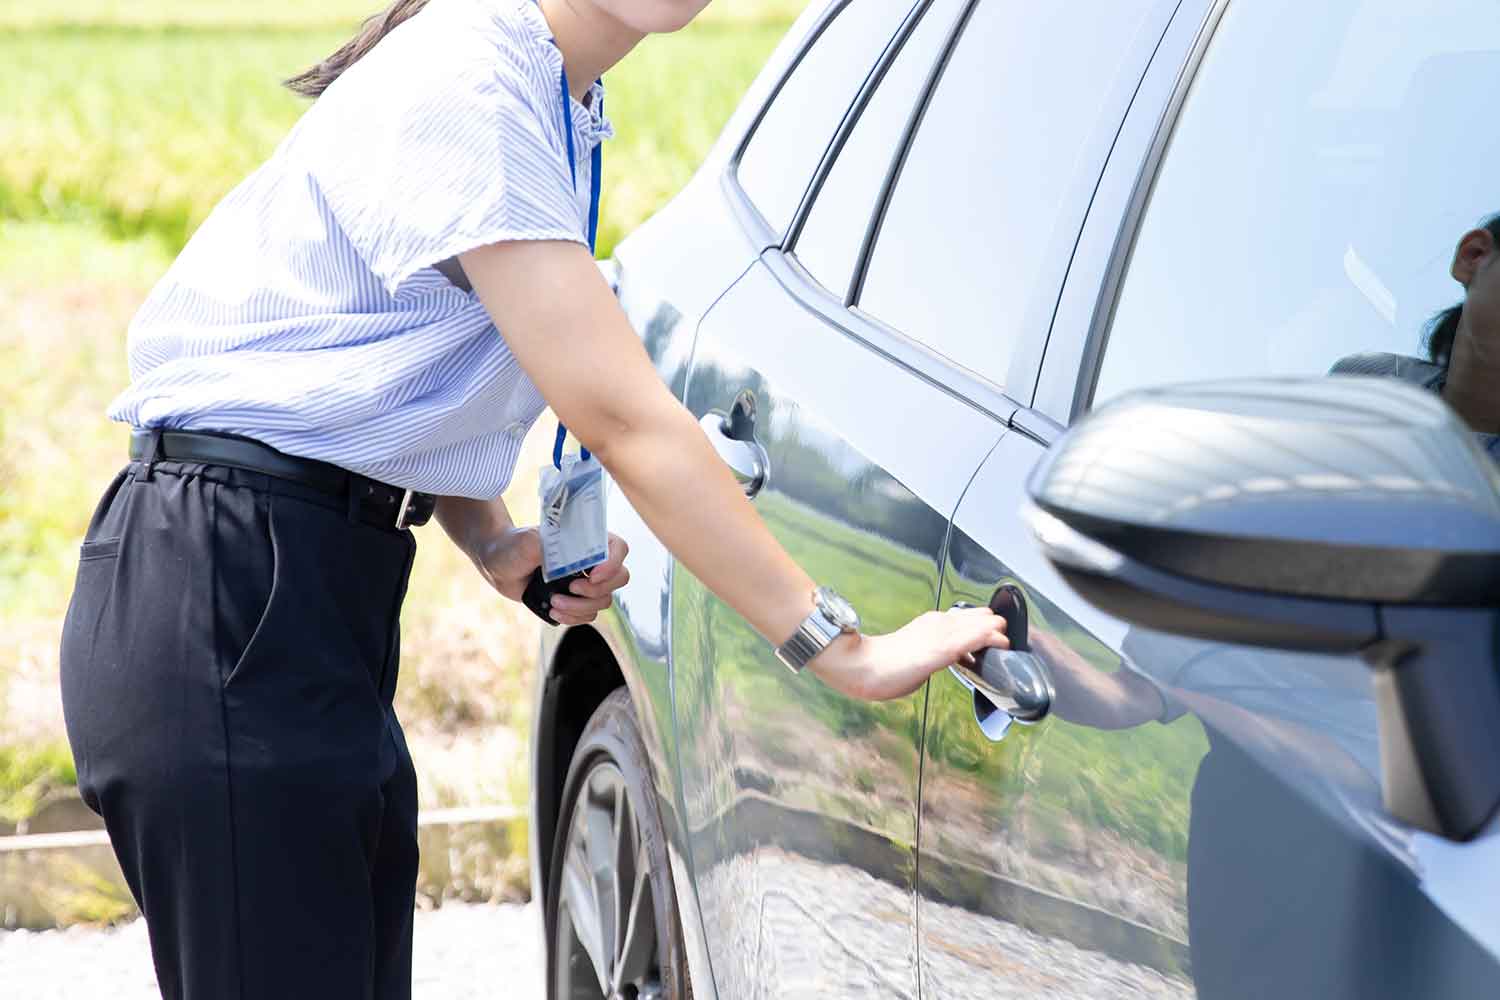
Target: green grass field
x=122, y=123
x=137, y=132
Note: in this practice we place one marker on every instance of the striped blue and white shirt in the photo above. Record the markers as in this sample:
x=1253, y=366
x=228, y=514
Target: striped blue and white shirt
x=306, y=311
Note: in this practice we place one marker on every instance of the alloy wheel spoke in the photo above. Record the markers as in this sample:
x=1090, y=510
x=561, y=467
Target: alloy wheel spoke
x=599, y=848
x=582, y=904
x=606, y=910
x=576, y=978
x=624, y=878
x=638, y=949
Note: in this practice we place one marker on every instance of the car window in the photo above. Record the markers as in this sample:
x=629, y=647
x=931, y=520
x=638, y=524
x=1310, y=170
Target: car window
x=795, y=130
x=1309, y=216
x=831, y=238
x=987, y=175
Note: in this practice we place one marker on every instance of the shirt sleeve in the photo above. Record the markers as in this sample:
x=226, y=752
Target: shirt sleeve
x=419, y=160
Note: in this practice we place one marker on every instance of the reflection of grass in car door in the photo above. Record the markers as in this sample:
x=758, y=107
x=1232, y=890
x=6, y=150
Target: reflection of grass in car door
x=1134, y=782
x=778, y=705
x=886, y=582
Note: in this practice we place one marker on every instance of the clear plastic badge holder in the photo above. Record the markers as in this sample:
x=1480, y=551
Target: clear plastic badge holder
x=574, y=534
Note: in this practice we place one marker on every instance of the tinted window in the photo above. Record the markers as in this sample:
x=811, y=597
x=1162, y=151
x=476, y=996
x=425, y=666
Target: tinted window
x=830, y=241
x=1309, y=214
x=794, y=133
x=984, y=185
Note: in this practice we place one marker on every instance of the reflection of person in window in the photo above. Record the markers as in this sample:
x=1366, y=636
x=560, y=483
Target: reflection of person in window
x=1463, y=342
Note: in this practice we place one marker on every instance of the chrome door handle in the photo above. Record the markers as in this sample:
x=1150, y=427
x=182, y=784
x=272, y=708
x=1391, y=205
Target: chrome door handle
x=1012, y=681
x=733, y=437
x=1009, y=685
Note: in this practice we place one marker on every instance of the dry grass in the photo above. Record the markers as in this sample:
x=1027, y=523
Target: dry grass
x=465, y=692
x=465, y=689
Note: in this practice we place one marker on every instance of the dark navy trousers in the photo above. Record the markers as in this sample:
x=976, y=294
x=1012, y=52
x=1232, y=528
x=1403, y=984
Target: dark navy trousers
x=228, y=666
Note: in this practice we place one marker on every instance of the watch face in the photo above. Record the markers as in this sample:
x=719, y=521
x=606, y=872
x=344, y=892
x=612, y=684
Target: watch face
x=838, y=610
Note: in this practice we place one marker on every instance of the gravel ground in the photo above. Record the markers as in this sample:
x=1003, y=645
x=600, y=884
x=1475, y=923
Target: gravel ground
x=817, y=931
x=461, y=953
x=791, y=928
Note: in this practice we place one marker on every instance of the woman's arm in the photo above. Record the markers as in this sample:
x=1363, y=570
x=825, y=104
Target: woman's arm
x=1088, y=696
x=570, y=336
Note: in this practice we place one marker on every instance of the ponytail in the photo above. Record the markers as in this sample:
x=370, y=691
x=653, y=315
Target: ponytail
x=1442, y=329
x=316, y=79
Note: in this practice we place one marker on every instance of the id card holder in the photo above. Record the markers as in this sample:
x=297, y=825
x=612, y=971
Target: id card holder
x=573, y=531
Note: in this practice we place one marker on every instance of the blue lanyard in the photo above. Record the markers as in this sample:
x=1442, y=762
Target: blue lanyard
x=595, y=187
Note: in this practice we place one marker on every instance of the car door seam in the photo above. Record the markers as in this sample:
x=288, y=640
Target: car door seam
x=943, y=554
x=671, y=654
x=1107, y=300
x=1098, y=183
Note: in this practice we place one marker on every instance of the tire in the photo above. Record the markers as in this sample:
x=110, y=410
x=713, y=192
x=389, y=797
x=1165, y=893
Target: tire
x=609, y=869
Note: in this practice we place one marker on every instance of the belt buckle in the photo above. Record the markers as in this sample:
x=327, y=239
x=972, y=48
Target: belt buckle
x=403, y=510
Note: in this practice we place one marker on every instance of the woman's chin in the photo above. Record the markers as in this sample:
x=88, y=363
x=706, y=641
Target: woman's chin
x=654, y=17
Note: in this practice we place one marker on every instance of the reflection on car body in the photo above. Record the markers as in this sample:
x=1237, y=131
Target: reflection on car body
x=935, y=236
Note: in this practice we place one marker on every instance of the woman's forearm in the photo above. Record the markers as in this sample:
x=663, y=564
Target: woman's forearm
x=473, y=524
x=719, y=537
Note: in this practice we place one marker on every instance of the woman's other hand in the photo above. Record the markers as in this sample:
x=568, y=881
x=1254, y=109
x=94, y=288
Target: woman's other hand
x=881, y=667
x=510, y=558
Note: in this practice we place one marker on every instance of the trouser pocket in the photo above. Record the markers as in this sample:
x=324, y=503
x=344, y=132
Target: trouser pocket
x=82, y=655
x=330, y=618
x=246, y=564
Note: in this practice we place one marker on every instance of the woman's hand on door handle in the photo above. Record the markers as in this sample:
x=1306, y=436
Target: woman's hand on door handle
x=882, y=667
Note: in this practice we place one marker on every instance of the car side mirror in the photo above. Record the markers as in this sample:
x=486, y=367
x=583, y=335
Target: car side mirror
x=1335, y=514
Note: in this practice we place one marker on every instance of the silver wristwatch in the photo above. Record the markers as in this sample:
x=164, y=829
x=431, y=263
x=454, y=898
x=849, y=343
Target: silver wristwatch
x=832, y=617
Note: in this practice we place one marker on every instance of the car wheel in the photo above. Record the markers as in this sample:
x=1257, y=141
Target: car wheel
x=612, y=926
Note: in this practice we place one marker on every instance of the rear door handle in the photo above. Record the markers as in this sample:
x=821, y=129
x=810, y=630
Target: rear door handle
x=732, y=435
x=1009, y=685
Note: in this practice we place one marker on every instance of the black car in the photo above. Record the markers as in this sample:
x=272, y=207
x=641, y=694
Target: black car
x=1243, y=746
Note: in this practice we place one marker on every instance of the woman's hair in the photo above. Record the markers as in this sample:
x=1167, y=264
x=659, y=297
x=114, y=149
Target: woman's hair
x=1443, y=327
x=312, y=81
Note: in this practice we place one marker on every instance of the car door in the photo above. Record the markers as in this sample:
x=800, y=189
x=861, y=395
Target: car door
x=801, y=804
x=1195, y=818
x=1065, y=86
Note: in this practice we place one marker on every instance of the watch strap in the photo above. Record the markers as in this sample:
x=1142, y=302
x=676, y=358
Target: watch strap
x=815, y=634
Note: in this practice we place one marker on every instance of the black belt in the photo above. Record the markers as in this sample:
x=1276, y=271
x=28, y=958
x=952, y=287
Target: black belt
x=378, y=503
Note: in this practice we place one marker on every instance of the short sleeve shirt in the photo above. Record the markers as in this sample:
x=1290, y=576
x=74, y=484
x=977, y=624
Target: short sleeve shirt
x=307, y=311
x=1416, y=371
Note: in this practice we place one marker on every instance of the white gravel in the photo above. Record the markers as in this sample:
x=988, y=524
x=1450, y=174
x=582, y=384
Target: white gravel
x=462, y=952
